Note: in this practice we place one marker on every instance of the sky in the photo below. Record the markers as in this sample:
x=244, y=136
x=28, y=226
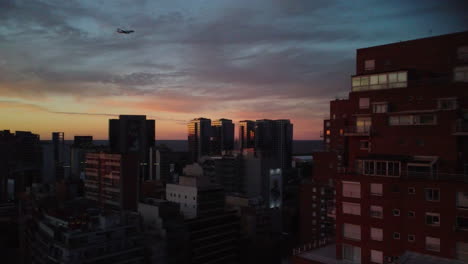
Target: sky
x=64, y=68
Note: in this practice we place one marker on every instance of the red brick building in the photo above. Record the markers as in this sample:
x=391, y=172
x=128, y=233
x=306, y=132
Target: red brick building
x=112, y=180
x=401, y=146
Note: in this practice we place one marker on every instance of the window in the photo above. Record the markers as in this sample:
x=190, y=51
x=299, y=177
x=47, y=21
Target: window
x=411, y=190
x=462, y=200
x=396, y=212
x=379, y=81
x=376, y=256
x=411, y=238
x=462, y=222
x=376, y=234
x=369, y=65
x=381, y=168
x=432, y=195
x=461, y=74
x=351, y=208
x=408, y=120
x=376, y=189
x=462, y=251
x=351, y=253
x=433, y=244
x=363, y=124
x=462, y=53
x=351, y=189
x=396, y=235
x=411, y=213
x=379, y=108
x=351, y=231
x=447, y=103
x=376, y=211
x=433, y=219
x=363, y=103
x=364, y=144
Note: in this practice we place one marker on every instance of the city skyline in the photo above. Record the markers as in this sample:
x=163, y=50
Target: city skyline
x=64, y=68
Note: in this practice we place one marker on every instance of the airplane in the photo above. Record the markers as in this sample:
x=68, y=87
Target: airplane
x=124, y=31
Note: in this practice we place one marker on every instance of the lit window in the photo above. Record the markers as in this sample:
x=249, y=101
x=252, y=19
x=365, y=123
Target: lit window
x=376, y=234
x=379, y=81
x=376, y=211
x=433, y=219
x=369, y=65
x=376, y=256
x=376, y=189
x=432, y=195
x=433, y=244
x=351, y=208
x=364, y=103
x=351, y=231
x=447, y=103
x=379, y=107
x=363, y=124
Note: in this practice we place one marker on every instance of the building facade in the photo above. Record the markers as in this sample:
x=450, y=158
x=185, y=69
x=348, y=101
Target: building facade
x=246, y=134
x=199, y=133
x=112, y=180
x=222, y=136
x=401, y=146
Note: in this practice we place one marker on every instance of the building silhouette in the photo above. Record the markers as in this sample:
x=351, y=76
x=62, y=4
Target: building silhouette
x=222, y=136
x=199, y=133
x=133, y=134
x=246, y=134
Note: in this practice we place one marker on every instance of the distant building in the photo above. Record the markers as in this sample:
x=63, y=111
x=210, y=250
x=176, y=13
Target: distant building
x=199, y=133
x=246, y=134
x=212, y=230
x=112, y=180
x=20, y=162
x=222, y=137
x=273, y=139
x=74, y=234
x=226, y=170
x=399, y=155
x=133, y=134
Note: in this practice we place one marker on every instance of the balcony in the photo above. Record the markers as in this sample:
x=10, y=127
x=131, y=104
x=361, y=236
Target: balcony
x=411, y=175
x=358, y=131
x=460, y=128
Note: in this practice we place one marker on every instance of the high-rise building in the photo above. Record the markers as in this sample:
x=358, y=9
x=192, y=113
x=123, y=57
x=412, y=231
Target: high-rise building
x=133, y=134
x=112, y=180
x=199, y=133
x=401, y=146
x=20, y=162
x=273, y=138
x=222, y=136
x=246, y=134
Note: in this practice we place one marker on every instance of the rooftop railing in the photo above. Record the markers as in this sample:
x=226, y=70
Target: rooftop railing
x=358, y=130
